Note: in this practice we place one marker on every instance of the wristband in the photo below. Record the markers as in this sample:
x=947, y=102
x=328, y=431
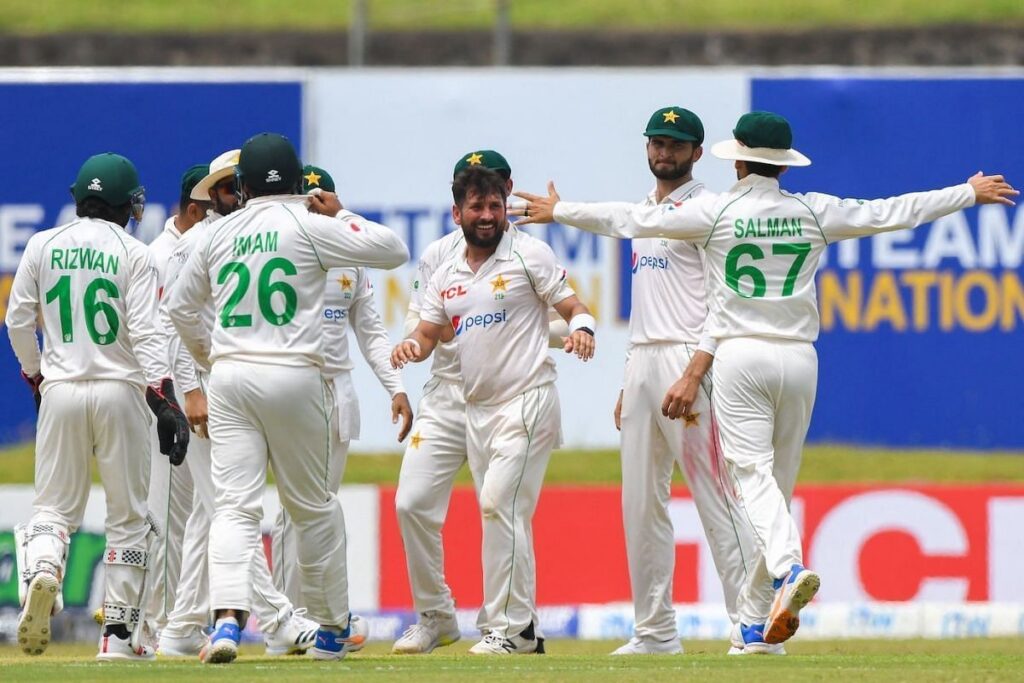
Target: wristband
x=414, y=343
x=583, y=321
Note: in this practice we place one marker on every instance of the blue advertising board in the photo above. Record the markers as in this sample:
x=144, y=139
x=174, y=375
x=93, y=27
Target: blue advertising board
x=921, y=330
x=48, y=129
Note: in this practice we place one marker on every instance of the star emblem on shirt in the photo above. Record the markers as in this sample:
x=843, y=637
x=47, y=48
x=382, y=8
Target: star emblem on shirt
x=312, y=179
x=475, y=159
x=499, y=284
x=415, y=440
x=691, y=420
x=346, y=284
x=670, y=117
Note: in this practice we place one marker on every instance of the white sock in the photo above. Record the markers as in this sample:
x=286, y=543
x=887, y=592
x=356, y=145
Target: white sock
x=225, y=620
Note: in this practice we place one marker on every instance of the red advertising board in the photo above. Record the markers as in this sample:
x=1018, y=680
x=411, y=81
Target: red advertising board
x=870, y=543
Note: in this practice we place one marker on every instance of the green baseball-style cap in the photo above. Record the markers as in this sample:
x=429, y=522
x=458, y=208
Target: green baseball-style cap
x=191, y=178
x=268, y=163
x=763, y=137
x=487, y=158
x=314, y=177
x=109, y=176
x=676, y=122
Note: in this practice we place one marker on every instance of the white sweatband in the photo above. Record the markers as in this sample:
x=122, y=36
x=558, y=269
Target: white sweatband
x=414, y=343
x=582, y=320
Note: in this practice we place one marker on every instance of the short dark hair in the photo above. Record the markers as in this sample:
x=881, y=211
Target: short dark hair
x=480, y=180
x=94, y=207
x=766, y=170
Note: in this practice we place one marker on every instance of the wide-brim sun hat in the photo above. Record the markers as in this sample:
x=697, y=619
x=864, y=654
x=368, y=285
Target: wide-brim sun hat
x=220, y=168
x=762, y=137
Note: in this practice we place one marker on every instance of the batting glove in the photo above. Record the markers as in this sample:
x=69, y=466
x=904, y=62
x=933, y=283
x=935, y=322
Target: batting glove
x=34, y=383
x=171, y=424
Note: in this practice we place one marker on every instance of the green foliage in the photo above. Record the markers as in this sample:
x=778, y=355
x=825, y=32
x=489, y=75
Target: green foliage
x=58, y=16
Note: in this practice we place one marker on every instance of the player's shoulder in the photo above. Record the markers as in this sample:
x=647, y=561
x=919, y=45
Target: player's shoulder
x=443, y=249
x=527, y=247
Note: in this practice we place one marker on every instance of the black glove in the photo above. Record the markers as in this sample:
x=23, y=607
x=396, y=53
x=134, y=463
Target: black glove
x=34, y=382
x=171, y=425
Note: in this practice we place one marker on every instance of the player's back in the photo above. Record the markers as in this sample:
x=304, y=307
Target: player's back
x=85, y=272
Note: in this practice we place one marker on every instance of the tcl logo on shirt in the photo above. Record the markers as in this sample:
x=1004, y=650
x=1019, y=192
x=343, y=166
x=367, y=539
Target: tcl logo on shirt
x=652, y=262
x=453, y=292
x=483, y=320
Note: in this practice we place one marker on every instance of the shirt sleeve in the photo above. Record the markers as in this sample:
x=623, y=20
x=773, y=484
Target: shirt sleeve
x=142, y=304
x=841, y=219
x=433, y=306
x=550, y=280
x=690, y=220
x=23, y=310
x=373, y=338
x=184, y=304
x=424, y=271
x=349, y=240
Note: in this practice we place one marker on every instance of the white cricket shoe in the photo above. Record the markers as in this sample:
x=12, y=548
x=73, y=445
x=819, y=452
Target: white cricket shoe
x=113, y=649
x=223, y=645
x=434, y=629
x=650, y=646
x=493, y=643
x=749, y=640
x=34, y=623
x=792, y=593
x=292, y=637
x=188, y=645
x=333, y=645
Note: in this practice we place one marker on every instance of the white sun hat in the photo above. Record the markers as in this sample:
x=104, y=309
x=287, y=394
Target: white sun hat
x=220, y=168
x=763, y=137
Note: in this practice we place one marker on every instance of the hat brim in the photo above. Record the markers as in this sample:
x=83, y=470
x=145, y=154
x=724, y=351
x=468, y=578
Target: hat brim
x=201, y=192
x=732, y=149
x=670, y=133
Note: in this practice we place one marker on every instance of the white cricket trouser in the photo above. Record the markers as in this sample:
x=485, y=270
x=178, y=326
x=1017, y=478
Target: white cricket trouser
x=260, y=415
x=509, y=445
x=170, y=503
x=651, y=446
x=764, y=394
x=107, y=419
x=192, y=606
x=436, y=451
x=284, y=545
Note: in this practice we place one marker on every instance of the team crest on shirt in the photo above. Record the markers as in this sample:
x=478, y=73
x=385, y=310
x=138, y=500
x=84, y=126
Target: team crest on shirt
x=499, y=287
x=691, y=420
x=346, y=286
x=415, y=440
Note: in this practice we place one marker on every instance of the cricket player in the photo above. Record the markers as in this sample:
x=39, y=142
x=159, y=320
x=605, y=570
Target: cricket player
x=170, y=488
x=348, y=303
x=285, y=629
x=92, y=288
x=668, y=354
x=493, y=300
x=763, y=244
x=438, y=450
x=264, y=268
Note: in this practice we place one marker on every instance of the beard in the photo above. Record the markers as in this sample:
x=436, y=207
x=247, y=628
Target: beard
x=671, y=172
x=470, y=233
x=223, y=208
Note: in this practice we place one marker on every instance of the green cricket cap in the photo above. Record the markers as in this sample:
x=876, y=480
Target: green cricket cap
x=191, y=178
x=487, y=158
x=314, y=176
x=109, y=176
x=764, y=129
x=268, y=162
x=676, y=122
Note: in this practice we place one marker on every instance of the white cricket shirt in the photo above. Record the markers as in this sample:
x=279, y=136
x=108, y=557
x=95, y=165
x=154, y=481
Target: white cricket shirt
x=500, y=316
x=763, y=244
x=438, y=253
x=668, y=302
x=160, y=248
x=94, y=289
x=264, y=267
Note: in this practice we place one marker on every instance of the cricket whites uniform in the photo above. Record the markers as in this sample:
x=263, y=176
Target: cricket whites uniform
x=665, y=327
x=264, y=268
x=94, y=290
x=500, y=318
x=763, y=245
x=348, y=303
x=170, y=488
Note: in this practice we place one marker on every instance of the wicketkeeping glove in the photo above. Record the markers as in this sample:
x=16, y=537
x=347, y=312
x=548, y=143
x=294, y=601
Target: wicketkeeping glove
x=171, y=424
x=34, y=383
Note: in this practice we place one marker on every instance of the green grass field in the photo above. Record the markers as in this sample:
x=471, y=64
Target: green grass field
x=875, y=661
x=56, y=16
x=822, y=465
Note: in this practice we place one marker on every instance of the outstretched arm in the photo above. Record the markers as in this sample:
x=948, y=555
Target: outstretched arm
x=420, y=344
